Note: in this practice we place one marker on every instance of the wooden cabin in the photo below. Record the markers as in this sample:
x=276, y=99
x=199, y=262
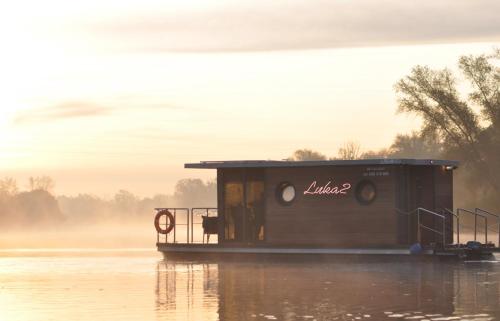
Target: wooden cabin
x=332, y=204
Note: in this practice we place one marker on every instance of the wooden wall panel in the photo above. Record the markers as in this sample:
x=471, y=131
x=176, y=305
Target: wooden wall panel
x=406, y=234
x=422, y=194
x=431, y=187
x=332, y=220
x=444, y=188
x=444, y=197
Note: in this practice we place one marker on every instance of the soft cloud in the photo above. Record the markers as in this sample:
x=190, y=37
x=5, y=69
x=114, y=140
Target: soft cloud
x=71, y=109
x=78, y=109
x=285, y=25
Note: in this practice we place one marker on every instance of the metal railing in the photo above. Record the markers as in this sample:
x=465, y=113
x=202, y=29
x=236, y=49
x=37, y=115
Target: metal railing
x=420, y=225
x=418, y=211
x=185, y=222
x=477, y=209
x=475, y=214
x=457, y=218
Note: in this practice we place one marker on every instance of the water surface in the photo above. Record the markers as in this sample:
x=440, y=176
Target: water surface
x=139, y=285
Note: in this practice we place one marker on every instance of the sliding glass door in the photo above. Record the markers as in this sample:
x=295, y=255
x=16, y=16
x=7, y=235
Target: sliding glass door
x=243, y=205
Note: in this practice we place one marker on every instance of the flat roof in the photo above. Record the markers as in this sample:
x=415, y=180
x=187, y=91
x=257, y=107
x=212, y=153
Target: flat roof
x=336, y=162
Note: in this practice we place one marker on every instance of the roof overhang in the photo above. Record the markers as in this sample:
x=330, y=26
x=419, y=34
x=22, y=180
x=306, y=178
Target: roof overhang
x=365, y=162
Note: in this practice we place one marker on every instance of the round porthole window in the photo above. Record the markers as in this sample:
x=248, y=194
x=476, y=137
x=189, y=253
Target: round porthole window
x=285, y=193
x=366, y=192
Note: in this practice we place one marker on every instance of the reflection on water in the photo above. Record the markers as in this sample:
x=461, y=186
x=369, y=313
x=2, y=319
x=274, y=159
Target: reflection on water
x=134, y=285
x=187, y=291
x=328, y=291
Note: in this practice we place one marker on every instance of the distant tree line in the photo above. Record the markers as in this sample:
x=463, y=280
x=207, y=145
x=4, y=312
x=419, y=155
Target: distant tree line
x=38, y=206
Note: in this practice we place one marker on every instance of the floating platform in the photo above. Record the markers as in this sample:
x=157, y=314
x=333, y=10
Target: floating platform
x=195, y=251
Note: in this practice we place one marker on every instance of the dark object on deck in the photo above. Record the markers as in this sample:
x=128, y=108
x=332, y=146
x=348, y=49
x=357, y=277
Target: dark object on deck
x=416, y=249
x=473, y=245
x=210, y=226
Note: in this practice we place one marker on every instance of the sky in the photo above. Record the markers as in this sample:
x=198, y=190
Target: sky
x=109, y=95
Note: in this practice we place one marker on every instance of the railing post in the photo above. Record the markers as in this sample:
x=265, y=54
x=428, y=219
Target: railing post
x=208, y=236
x=418, y=226
x=494, y=215
x=187, y=225
x=458, y=230
x=444, y=231
x=485, y=231
x=475, y=227
x=408, y=223
x=192, y=225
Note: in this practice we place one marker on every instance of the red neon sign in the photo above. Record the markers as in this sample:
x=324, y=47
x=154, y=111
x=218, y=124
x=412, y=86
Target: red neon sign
x=327, y=189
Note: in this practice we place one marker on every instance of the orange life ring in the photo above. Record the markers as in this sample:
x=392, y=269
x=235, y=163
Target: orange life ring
x=170, y=220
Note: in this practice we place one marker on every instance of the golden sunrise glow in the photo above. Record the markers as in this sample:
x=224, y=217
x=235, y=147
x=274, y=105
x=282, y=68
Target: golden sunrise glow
x=93, y=91
x=103, y=103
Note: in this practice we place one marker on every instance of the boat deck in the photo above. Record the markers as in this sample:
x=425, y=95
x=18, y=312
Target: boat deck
x=201, y=250
x=216, y=248
x=191, y=238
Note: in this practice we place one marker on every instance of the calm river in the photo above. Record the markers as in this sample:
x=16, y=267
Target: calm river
x=139, y=285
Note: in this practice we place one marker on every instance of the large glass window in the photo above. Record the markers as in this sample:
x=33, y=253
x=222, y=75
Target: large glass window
x=255, y=210
x=243, y=205
x=233, y=210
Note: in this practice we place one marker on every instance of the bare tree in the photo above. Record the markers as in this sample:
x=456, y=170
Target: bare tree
x=8, y=186
x=44, y=183
x=350, y=150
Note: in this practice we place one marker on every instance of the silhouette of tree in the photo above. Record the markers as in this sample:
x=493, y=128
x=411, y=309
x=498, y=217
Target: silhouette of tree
x=306, y=155
x=415, y=145
x=465, y=134
x=376, y=154
x=37, y=207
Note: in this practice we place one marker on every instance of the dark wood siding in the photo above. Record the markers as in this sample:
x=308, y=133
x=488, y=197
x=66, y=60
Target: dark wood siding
x=422, y=195
x=444, y=197
x=220, y=203
x=340, y=220
x=332, y=220
x=406, y=233
x=444, y=188
x=430, y=187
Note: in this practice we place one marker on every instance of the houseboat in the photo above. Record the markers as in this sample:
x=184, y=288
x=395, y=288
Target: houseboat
x=375, y=206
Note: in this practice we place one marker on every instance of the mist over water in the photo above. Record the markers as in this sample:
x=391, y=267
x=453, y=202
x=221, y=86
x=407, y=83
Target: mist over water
x=36, y=218
x=140, y=285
